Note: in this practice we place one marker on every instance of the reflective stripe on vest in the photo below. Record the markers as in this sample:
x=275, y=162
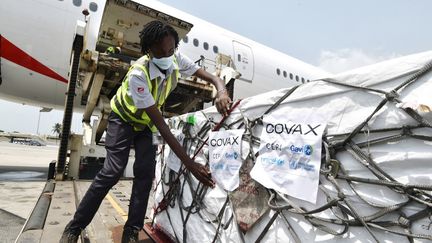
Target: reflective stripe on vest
x=123, y=105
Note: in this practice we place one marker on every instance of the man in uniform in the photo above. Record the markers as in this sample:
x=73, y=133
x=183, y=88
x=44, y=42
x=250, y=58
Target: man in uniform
x=134, y=118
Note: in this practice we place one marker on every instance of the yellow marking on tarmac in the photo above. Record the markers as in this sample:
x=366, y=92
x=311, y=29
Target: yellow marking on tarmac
x=117, y=207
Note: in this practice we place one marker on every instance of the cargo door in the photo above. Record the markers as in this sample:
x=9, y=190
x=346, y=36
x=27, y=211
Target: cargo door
x=122, y=22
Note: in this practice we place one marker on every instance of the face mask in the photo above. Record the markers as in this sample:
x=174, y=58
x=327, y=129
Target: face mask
x=163, y=63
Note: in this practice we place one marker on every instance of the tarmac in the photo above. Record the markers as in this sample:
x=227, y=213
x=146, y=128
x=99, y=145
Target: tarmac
x=23, y=173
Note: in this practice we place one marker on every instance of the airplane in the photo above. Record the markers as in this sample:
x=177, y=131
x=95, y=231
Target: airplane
x=37, y=36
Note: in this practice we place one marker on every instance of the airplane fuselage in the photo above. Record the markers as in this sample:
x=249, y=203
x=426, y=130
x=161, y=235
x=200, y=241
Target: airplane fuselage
x=37, y=36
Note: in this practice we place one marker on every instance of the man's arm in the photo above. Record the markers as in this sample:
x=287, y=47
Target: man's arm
x=222, y=100
x=199, y=171
x=189, y=68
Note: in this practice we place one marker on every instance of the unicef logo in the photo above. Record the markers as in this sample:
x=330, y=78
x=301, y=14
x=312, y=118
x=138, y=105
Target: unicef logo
x=308, y=150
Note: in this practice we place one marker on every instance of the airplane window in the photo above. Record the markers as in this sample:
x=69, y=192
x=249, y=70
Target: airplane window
x=302, y=80
x=185, y=39
x=278, y=71
x=205, y=45
x=297, y=78
x=239, y=57
x=291, y=76
x=77, y=3
x=284, y=74
x=195, y=42
x=215, y=49
x=93, y=6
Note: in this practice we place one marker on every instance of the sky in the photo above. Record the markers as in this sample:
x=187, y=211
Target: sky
x=336, y=35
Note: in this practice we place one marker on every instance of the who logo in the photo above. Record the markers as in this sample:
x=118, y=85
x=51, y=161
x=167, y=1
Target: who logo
x=308, y=149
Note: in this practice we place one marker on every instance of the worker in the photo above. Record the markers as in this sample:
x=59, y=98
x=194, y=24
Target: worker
x=134, y=118
x=113, y=50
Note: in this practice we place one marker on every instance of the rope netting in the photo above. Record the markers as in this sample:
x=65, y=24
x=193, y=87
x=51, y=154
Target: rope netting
x=348, y=201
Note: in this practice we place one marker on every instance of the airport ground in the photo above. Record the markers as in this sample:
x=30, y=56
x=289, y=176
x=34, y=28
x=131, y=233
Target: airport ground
x=23, y=172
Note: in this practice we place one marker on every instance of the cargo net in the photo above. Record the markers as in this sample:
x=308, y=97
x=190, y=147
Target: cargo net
x=374, y=182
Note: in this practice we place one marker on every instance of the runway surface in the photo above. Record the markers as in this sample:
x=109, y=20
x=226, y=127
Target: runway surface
x=23, y=173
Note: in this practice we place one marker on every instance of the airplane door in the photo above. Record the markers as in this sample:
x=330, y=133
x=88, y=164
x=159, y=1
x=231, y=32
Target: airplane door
x=243, y=60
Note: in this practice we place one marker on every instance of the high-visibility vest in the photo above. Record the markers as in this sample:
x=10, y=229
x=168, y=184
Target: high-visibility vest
x=123, y=105
x=110, y=50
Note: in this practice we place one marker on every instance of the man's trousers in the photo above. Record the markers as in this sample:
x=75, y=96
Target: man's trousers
x=120, y=136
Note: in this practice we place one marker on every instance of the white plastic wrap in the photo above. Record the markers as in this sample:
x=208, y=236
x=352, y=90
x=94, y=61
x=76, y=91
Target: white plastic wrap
x=407, y=160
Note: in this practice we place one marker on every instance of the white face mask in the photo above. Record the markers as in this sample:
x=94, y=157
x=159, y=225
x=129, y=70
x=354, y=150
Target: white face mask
x=163, y=63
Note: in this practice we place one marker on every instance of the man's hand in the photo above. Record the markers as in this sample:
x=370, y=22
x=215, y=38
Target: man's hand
x=223, y=102
x=200, y=172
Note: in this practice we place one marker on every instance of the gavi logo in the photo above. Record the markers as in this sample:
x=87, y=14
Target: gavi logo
x=306, y=149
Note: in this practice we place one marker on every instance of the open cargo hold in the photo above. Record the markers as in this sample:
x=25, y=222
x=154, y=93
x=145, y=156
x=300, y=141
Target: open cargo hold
x=372, y=181
x=104, y=64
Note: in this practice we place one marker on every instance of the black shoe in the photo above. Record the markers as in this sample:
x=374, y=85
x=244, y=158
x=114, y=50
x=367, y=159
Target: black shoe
x=130, y=235
x=70, y=235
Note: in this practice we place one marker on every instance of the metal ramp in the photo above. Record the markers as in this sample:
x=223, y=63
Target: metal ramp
x=106, y=226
